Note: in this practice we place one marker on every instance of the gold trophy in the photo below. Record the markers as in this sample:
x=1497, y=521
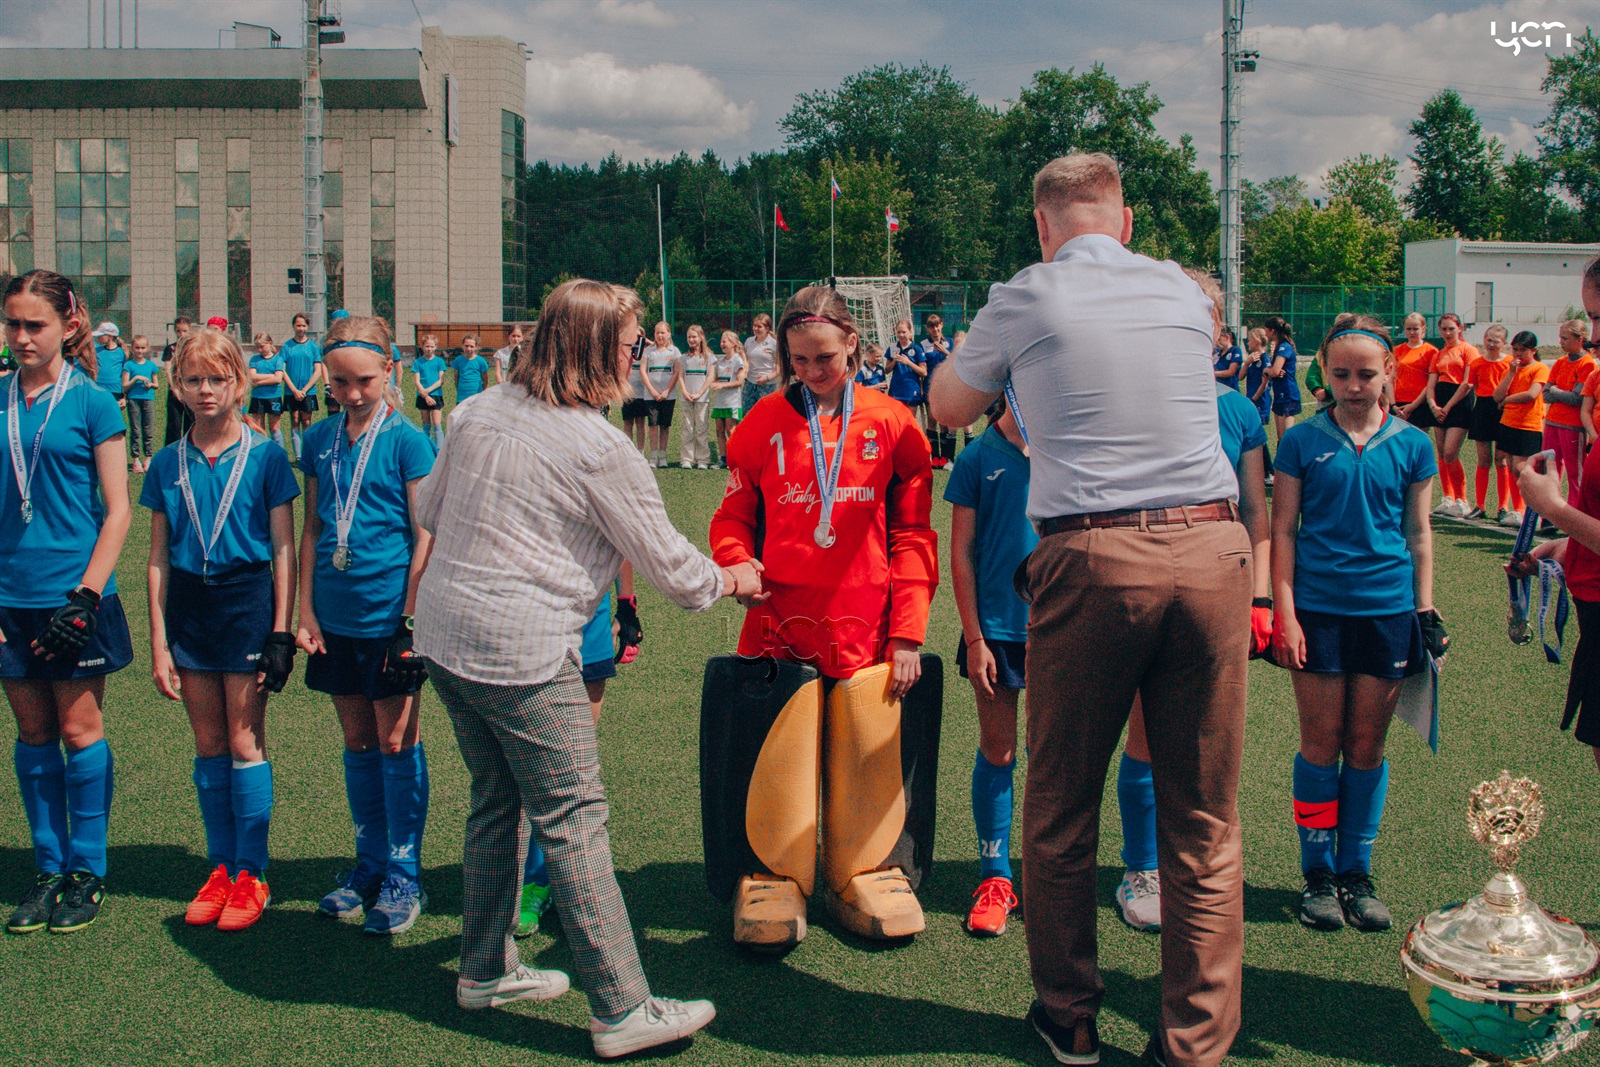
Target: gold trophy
x=1499, y=977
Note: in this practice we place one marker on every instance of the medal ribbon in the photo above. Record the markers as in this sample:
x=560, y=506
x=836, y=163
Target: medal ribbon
x=14, y=434
x=1551, y=578
x=1520, y=588
x=828, y=486
x=224, y=505
x=344, y=511
x=1016, y=412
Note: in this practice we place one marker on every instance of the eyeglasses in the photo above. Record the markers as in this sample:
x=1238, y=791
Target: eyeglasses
x=636, y=350
x=194, y=384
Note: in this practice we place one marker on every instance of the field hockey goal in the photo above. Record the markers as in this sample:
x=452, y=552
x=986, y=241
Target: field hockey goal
x=877, y=304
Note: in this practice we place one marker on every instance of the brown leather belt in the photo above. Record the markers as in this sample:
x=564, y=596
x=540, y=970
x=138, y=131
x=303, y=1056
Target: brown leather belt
x=1145, y=518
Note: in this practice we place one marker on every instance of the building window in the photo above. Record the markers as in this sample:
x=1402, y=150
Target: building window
x=383, y=228
x=239, y=234
x=333, y=219
x=93, y=198
x=513, y=217
x=16, y=206
x=186, y=225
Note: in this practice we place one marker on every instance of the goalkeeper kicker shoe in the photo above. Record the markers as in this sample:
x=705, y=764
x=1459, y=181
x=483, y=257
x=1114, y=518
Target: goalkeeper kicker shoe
x=768, y=913
x=879, y=905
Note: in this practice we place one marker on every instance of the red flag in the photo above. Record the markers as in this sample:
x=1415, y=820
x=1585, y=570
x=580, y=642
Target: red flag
x=777, y=217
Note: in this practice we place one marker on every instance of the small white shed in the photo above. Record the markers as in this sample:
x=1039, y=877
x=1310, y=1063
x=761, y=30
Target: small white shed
x=1523, y=285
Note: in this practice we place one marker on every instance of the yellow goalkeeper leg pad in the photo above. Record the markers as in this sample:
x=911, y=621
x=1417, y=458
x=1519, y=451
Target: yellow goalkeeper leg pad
x=768, y=913
x=864, y=801
x=878, y=905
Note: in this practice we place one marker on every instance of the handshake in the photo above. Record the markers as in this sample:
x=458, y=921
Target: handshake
x=742, y=581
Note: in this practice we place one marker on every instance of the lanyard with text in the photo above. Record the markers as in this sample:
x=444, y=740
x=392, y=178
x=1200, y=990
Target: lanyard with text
x=344, y=511
x=24, y=472
x=1552, y=583
x=224, y=505
x=1016, y=412
x=827, y=486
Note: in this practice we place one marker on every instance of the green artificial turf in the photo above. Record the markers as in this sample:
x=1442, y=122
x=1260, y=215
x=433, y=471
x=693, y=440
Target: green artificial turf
x=140, y=987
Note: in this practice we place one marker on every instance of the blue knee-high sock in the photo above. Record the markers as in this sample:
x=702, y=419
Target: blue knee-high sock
x=1136, y=799
x=533, y=869
x=992, y=799
x=252, y=814
x=42, y=779
x=405, y=798
x=1361, y=798
x=1316, y=811
x=213, y=784
x=364, y=786
x=91, y=779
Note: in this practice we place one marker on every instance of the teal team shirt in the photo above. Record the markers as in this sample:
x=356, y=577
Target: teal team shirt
x=141, y=378
x=300, y=359
x=1239, y=422
x=1350, y=553
x=472, y=373
x=368, y=599
x=108, y=364
x=267, y=365
x=991, y=477
x=43, y=561
x=431, y=372
x=246, y=537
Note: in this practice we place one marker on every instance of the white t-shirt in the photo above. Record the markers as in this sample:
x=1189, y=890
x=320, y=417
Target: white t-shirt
x=695, y=369
x=726, y=369
x=636, y=380
x=502, y=356
x=659, y=363
x=761, y=356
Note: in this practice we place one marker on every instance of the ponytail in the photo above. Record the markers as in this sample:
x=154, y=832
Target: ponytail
x=78, y=347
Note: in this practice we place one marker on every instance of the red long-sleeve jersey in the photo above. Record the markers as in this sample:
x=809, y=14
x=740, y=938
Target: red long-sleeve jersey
x=835, y=608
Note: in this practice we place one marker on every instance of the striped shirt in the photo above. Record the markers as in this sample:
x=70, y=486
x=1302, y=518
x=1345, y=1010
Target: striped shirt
x=533, y=508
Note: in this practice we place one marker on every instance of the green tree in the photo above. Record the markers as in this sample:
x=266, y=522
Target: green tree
x=1457, y=168
x=867, y=187
x=1306, y=245
x=1368, y=183
x=1527, y=211
x=1569, y=139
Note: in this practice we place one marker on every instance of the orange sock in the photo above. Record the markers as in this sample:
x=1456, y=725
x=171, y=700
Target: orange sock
x=1516, y=496
x=1481, y=479
x=1458, y=480
x=1502, y=485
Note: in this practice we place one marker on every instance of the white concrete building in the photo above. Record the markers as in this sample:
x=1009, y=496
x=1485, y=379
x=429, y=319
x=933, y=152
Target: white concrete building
x=1523, y=285
x=168, y=181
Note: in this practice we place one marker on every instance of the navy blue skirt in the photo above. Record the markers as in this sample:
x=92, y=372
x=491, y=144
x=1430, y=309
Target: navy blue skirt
x=109, y=649
x=353, y=666
x=220, y=625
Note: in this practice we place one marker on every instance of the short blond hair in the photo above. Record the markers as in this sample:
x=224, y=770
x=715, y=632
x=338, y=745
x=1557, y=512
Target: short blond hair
x=1079, y=178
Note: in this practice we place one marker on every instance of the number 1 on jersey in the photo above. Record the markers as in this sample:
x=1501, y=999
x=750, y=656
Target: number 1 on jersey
x=777, y=444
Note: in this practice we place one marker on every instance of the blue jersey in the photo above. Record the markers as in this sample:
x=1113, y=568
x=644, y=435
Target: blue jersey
x=991, y=477
x=1287, y=387
x=932, y=357
x=108, y=362
x=905, y=385
x=300, y=359
x=1228, y=358
x=431, y=372
x=1252, y=382
x=871, y=376
x=44, y=560
x=1350, y=553
x=141, y=376
x=266, y=365
x=470, y=374
x=1239, y=422
x=246, y=537
x=368, y=599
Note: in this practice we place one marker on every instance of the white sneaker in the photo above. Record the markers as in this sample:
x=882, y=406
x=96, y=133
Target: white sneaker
x=655, y=1022
x=524, y=983
x=1511, y=518
x=1139, y=900
x=1446, y=507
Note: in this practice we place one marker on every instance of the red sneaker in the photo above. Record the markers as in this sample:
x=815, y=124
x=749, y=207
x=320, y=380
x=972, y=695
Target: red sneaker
x=995, y=902
x=207, y=904
x=248, y=900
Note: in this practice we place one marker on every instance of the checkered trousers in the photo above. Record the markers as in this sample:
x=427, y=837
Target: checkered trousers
x=532, y=748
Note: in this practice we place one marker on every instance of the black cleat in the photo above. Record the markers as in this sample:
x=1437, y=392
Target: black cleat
x=81, y=898
x=33, y=914
x=1319, y=901
x=1362, y=908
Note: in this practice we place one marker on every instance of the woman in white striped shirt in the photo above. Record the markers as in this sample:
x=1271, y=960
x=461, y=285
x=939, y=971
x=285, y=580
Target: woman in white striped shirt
x=533, y=503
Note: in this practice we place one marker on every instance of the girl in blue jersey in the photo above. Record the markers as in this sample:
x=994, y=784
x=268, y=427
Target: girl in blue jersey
x=139, y=392
x=266, y=398
x=63, y=516
x=364, y=554
x=1281, y=373
x=302, y=370
x=428, y=369
x=1352, y=568
x=471, y=369
x=222, y=583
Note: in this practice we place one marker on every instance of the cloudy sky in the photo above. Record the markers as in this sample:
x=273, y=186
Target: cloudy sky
x=648, y=78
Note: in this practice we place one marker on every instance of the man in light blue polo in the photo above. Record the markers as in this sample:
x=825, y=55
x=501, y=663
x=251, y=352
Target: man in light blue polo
x=1141, y=583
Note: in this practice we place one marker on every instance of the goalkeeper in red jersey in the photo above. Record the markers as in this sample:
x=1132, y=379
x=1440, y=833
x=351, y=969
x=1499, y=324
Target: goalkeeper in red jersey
x=830, y=486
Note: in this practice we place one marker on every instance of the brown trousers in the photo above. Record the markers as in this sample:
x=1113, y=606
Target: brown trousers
x=1165, y=612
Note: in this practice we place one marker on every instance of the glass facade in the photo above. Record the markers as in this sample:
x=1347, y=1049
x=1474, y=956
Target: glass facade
x=16, y=207
x=333, y=219
x=513, y=217
x=186, y=225
x=93, y=190
x=383, y=229
x=238, y=192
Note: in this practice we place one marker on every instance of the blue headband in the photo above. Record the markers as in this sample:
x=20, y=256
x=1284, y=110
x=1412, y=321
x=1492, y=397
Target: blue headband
x=329, y=346
x=1363, y=333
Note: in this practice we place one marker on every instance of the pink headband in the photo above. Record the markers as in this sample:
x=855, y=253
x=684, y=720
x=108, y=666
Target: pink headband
x=801, y=320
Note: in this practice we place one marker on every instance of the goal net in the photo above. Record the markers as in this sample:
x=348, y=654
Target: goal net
x=877, y=304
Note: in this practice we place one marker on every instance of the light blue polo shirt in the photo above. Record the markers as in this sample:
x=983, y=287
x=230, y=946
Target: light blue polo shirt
x=429, y=372
x=141, y=379
x=1239, y=422
x=368, y=599
x=1350, y=553
x=246, y=536
x=991, y=477
x=471, y=373
x=300, y=359
x=43, y=561
x=108, y=363
x=267, y=365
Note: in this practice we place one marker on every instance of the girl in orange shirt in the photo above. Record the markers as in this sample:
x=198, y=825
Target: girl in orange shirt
x=1411, y=362
x=1451, y=406
x=1520, y=395
x=1563, y=422
x=1483, y=376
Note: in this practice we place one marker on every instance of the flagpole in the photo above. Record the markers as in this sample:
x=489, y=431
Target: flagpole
x=661, y=251
x=832, y=269
x=888, y=246
x=774, y=262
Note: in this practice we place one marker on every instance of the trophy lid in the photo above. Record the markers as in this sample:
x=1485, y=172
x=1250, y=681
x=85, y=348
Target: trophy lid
x=1500, y=945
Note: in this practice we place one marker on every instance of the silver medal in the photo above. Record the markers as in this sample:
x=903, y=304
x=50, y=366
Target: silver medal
x=341, y=558
x=27, y=511
x=823, y=535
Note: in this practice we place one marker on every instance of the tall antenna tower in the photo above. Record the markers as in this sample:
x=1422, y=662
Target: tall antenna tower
x=321, y=16
x=1235, y=61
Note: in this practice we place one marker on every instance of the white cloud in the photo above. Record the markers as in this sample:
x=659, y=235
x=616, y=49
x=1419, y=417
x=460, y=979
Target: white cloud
x=634, y=13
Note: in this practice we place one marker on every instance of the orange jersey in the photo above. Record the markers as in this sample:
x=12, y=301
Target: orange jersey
x=1528, y=415
x=1451, y=362
x=1487, y=373
x=835, y=608
x=1572, y=375
x=1411, y=371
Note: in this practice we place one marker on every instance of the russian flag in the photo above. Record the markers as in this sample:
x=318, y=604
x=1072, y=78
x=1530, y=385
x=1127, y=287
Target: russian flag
x=834, y=188
x=891, y=219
